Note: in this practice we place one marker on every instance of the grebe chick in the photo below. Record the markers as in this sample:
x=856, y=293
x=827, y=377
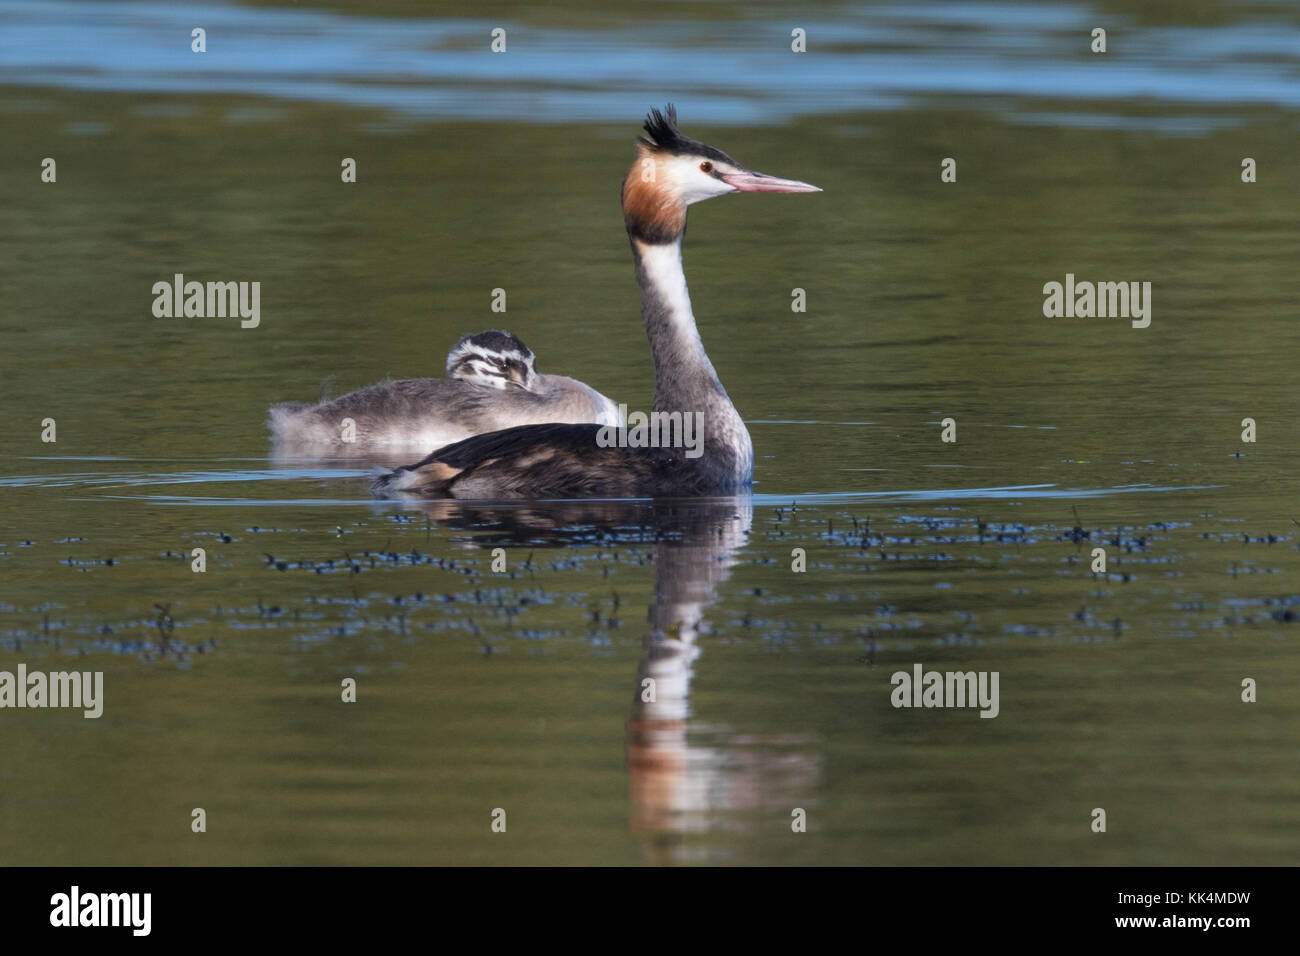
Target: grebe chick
x=580, y=461
x=496, y=359
x=492, y=384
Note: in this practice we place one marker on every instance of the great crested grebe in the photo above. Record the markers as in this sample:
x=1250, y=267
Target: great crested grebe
x=492, y=383
x=669, y=173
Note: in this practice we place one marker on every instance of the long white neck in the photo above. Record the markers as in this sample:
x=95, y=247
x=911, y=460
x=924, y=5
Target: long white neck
x=685, y=380
x=681, y=366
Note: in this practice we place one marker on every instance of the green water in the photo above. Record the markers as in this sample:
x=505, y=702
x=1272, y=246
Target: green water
x=521, y=690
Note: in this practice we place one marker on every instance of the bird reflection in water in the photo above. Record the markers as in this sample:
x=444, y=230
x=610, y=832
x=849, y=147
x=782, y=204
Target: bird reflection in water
x=685, y=778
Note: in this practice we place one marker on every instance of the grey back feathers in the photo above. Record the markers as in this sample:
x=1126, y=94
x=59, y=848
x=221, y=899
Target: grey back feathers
x=493, y=385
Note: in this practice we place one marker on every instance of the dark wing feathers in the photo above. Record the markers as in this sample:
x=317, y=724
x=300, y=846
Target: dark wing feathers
x=538, y=461
x=515, y=441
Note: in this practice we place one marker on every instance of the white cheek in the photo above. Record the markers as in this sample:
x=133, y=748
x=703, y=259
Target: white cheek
x=703, y=186
x=695, y=185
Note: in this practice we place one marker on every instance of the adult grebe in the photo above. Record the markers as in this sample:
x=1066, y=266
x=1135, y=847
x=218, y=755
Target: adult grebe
x=492, y=384
x=670, y=172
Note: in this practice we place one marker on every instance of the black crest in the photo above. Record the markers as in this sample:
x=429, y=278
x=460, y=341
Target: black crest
x=664, y=135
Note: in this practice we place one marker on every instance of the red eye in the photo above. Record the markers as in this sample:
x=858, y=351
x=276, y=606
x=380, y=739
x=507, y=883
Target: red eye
x=706, y=166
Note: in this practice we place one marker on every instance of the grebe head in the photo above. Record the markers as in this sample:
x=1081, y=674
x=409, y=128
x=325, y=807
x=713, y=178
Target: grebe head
x=495, y=359
x=671, y=171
